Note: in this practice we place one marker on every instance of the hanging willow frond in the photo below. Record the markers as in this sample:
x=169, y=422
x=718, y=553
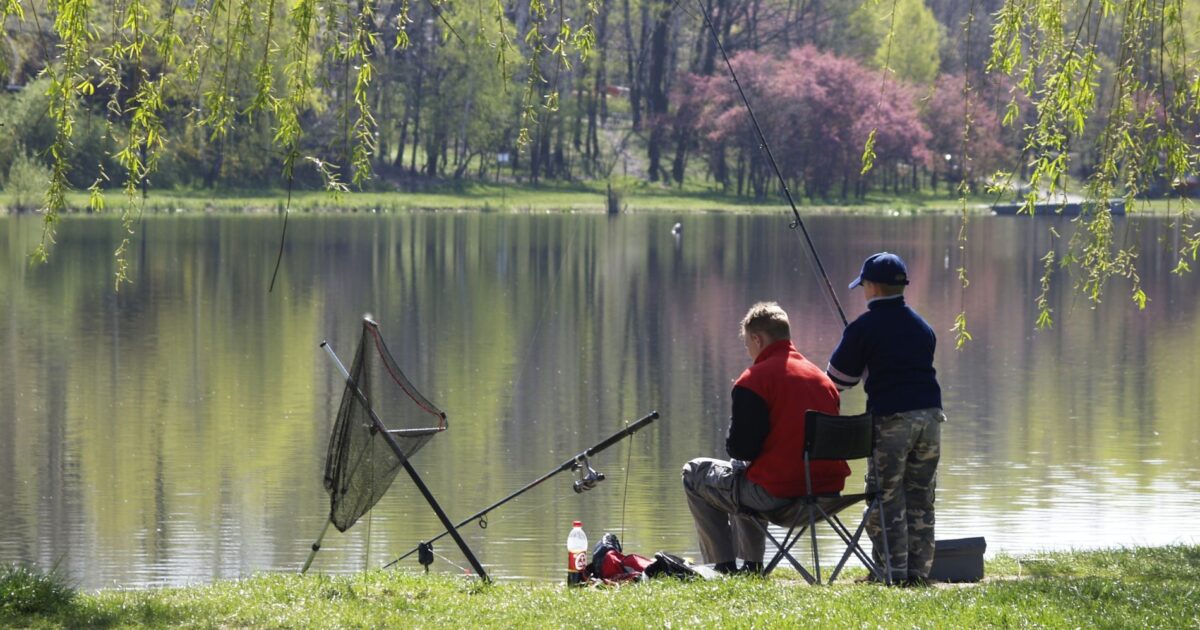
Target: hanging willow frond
x=1054, y=55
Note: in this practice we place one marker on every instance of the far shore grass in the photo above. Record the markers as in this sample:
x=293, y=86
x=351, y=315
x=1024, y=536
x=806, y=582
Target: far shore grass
x=634, y=197
x=1120, y=588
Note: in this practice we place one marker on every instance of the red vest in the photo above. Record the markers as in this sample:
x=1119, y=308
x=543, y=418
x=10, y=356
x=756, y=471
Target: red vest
x=791, y=385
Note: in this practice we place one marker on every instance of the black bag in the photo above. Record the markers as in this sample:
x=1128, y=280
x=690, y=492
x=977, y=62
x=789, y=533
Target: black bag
x=670, y=565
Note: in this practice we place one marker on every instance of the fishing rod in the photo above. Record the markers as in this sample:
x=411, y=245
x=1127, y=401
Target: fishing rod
x=771, y=158
x=588, y=478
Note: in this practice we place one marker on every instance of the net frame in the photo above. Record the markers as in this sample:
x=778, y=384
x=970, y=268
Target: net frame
x=369, y=326
x=360, y=464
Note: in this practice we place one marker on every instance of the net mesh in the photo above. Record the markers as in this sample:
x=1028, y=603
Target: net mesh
x=360, y=464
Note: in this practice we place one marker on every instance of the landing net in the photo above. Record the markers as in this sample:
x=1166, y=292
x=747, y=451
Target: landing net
x=360, y=465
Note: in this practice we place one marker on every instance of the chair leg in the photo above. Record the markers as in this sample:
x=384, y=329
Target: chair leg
x=783, y=550
x=780, y=555
x=887, y=555
x=853, y=546
x=812, y=529
x=877, y=503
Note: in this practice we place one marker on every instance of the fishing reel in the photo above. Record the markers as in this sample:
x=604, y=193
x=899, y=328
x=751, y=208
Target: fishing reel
x=425, y=554
x=588, y=476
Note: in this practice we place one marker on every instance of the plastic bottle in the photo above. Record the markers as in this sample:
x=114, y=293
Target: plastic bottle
x=577, y=544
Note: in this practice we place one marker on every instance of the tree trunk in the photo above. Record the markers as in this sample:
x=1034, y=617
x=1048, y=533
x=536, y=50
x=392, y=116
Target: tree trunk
x=598, y=98
x=384, y=121
x=591, y=151
x=708, y=63
x=400, y=144
x=416, y=142
x=721, y=169
x=602, y=67
x=657, y=98
x=633, y=60
x=214, y=173
x=741, y=174
x=682, y=135
x=431, y=155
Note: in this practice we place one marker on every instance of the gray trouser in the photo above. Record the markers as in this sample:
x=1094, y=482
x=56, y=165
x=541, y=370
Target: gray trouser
x=716, y=491
x=907, y=448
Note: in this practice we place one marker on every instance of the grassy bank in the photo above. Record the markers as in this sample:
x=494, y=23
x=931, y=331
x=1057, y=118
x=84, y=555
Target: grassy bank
x=633, y=196
x=1148, y=587
x=552, y=197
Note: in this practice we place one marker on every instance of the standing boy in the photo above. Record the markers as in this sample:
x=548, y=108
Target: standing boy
x=893, y=346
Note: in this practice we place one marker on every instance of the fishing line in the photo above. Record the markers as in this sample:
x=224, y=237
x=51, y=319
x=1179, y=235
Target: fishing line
x=798, y=223
x=450, y=562
x=625, y=494
x=367, y=548
x=370, y=517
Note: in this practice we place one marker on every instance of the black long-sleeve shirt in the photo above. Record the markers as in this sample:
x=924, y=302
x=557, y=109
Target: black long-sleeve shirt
x=766, y=426
x=749, y=425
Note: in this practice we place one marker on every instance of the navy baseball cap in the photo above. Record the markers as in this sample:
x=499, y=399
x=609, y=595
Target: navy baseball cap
x=884, y=268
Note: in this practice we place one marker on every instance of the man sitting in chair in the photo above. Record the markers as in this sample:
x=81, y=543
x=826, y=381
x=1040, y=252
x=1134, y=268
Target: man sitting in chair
x=765, y=441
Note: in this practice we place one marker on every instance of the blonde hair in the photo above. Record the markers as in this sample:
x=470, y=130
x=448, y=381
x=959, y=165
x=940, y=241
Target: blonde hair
x=769, y=319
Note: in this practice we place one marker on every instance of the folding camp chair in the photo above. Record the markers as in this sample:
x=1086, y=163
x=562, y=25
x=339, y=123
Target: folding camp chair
x=829, y=437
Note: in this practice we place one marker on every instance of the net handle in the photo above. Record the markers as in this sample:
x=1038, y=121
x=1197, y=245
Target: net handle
x=336, y=361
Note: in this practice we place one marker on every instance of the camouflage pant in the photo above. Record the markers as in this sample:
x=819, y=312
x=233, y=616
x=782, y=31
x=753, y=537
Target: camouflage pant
x=908, y=446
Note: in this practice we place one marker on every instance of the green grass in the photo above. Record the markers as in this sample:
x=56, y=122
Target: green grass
x=635, y=196
x=27, y=591
x=1135, y=588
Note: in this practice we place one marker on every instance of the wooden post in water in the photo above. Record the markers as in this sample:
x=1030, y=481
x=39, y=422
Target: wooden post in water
x=612, y=200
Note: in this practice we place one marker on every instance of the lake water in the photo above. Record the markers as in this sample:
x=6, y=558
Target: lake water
x=175, y=432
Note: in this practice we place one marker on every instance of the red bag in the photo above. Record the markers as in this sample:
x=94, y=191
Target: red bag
x=617, y=567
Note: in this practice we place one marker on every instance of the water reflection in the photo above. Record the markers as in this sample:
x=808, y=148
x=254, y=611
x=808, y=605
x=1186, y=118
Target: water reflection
x=175, y=432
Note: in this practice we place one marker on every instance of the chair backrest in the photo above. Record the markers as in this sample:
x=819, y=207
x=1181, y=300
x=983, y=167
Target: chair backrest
x=838, y=437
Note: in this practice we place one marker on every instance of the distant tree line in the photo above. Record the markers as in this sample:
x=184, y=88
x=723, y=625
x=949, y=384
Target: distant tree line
x=230, y=93
x=376, y=94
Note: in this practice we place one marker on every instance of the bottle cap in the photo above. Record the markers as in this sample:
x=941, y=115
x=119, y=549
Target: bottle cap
x=577, y=524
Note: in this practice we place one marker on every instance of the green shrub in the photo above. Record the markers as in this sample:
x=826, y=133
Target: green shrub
x=27, y=182
x=26, y=125
x=26, y=590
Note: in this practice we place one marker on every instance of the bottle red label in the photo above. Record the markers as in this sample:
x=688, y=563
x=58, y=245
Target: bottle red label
x=576, y=561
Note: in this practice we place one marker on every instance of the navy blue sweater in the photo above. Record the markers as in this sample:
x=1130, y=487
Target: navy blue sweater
x=894, y=346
